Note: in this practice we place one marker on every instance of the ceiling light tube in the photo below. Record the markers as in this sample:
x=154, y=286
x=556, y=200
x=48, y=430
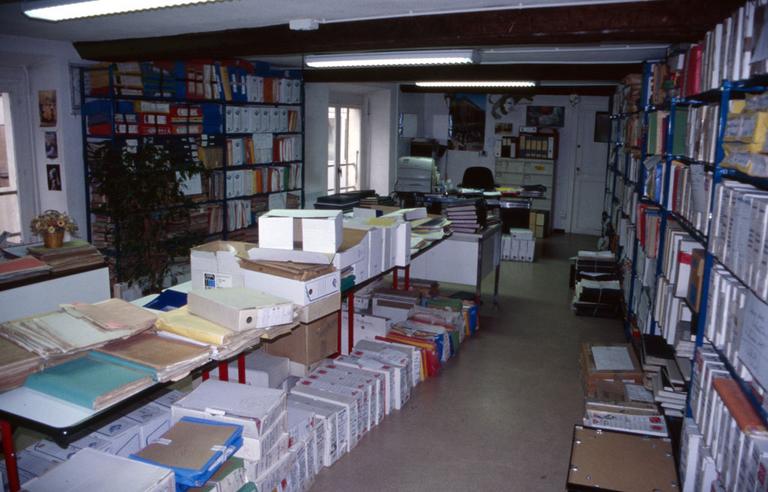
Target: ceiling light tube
x=479, y=83
x=391, y=58
x=60, y=10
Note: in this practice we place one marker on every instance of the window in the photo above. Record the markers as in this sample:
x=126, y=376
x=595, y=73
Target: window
x=10, y=220
x=344, y=141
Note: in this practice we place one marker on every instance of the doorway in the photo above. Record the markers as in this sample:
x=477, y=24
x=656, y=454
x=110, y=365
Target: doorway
x=589, y=175
x=344, y=148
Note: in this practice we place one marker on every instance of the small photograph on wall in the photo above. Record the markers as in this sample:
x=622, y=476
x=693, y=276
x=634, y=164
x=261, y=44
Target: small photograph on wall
x=47, y=103
x=545, y=116
x=53, y=172
x=51, y=145
x=467, y=122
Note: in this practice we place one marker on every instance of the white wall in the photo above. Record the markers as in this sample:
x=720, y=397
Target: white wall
x=455, y=162
x=47, y=65
x=316, y=142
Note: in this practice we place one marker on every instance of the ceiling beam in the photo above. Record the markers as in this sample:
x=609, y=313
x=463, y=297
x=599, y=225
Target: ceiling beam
x=654, y=21
x=535, y=72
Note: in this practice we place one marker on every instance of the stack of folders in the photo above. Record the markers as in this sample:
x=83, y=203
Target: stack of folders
x=170, y=358
x=71, y=255
x=466, y=215
x=194, y=449
x=726, y=442
x=745, y=136
x=77, y=327
x=94, y=381
x=667, y=374
x=597, y=298
x=15, y=364
x=19, y=268
x=89, y=469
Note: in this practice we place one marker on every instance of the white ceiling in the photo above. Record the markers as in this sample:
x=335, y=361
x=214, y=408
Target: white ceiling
x=235, y=14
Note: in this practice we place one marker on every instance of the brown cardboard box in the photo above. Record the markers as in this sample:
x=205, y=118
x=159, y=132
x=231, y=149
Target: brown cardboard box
x=591, y=375
x=308, y=343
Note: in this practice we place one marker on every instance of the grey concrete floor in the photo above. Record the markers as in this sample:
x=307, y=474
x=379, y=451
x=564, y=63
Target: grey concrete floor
x=501, y=414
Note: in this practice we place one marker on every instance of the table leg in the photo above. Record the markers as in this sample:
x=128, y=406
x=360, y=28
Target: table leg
x=223, y=371
x=339, y=332
x=351, y=321
x=407, y=281
x=496, y=286
x=394, y=278
x=241, y=368
x=9, y=450
x=206, y=375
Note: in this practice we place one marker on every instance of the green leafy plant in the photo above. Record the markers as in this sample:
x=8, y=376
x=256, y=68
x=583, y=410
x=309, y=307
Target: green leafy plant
x=141, y=192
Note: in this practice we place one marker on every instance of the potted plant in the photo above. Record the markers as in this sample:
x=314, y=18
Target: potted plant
x=51, y=225
x=141, y=191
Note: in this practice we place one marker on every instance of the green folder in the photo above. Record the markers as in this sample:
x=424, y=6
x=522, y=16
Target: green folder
x=678, y=135
x=90, y=381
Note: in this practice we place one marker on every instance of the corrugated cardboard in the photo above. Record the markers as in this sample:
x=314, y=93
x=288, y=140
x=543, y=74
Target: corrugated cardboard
x=606, y=460
x=216, y=264
x=308, y=343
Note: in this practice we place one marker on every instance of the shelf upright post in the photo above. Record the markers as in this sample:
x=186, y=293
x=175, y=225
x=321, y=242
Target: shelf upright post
x=225, y=161
x=645, y=100
x=86, y=167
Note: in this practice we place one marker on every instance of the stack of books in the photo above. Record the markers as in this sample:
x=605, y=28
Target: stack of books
x=70, y=256
x=24, y=267
x=668, y=374
x=468, y=216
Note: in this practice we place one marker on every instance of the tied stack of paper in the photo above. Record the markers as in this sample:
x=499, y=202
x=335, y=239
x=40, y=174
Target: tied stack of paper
x=608, y=362
x=15, y=364
x=194, y=449
x=89, y=469
x=171, y=359
x=93, y=381
x=71, y=329
x=71, y=255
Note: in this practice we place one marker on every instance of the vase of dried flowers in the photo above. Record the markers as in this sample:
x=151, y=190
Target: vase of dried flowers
x=51, y=226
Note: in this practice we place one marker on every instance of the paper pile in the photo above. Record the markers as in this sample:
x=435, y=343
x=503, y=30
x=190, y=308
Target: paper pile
x=15, y=364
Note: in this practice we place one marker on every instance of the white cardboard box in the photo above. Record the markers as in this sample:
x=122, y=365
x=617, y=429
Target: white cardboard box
x=367, y=327
x=254, y=448
x=403, y=244
x=216, y=264
x=348, y=417
x=360, y=271
x=309, y=230
x=319, y=308
x=354, y=249
x=240, y=309
x=297, y=291
x=331, y=437
x=256, y=409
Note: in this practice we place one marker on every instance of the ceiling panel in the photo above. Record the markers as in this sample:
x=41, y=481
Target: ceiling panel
x=236, y=14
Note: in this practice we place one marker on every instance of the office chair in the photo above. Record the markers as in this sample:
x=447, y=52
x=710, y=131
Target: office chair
x=478, y=177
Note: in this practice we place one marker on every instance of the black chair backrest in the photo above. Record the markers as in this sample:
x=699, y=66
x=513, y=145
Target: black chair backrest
x=478, y=177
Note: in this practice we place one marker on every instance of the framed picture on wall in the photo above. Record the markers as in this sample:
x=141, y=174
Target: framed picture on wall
x=545, y=116
x=53, y=174
x=47, y=105
x=51, y=145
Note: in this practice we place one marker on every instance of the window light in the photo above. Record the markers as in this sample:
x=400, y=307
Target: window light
x=391, y=58
x=60, y=10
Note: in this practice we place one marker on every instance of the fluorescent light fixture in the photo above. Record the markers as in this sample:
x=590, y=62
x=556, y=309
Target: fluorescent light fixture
x=479, y=83
x=60, y=10
x=391, y=58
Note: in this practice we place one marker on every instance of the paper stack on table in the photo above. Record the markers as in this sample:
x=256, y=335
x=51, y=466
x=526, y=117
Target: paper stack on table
x=71, y=255
x=68, y=331
x=226, y=343
x=194, y=449
x=170, y=358
x=18, y=268
x=15, y=364
x=89, y=469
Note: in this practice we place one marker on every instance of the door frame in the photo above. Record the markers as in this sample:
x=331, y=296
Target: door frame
x=582, y=108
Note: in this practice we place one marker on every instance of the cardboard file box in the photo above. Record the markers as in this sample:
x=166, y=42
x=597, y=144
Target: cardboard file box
x=348, y=435
x=366, y=326
x=297, y=291
x=215, y=265
x=354, y=248
x=309, y=230
x=318, y=309
x=255, y=409
x=403, y=244
x=308, y=343
x=240, y=309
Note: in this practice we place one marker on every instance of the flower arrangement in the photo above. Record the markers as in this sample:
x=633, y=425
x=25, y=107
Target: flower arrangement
x=52, y=221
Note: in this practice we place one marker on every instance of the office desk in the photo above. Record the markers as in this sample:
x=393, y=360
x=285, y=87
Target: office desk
x=464, y=259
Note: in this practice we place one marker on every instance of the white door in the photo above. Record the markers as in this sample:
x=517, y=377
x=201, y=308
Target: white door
x=589, y=176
